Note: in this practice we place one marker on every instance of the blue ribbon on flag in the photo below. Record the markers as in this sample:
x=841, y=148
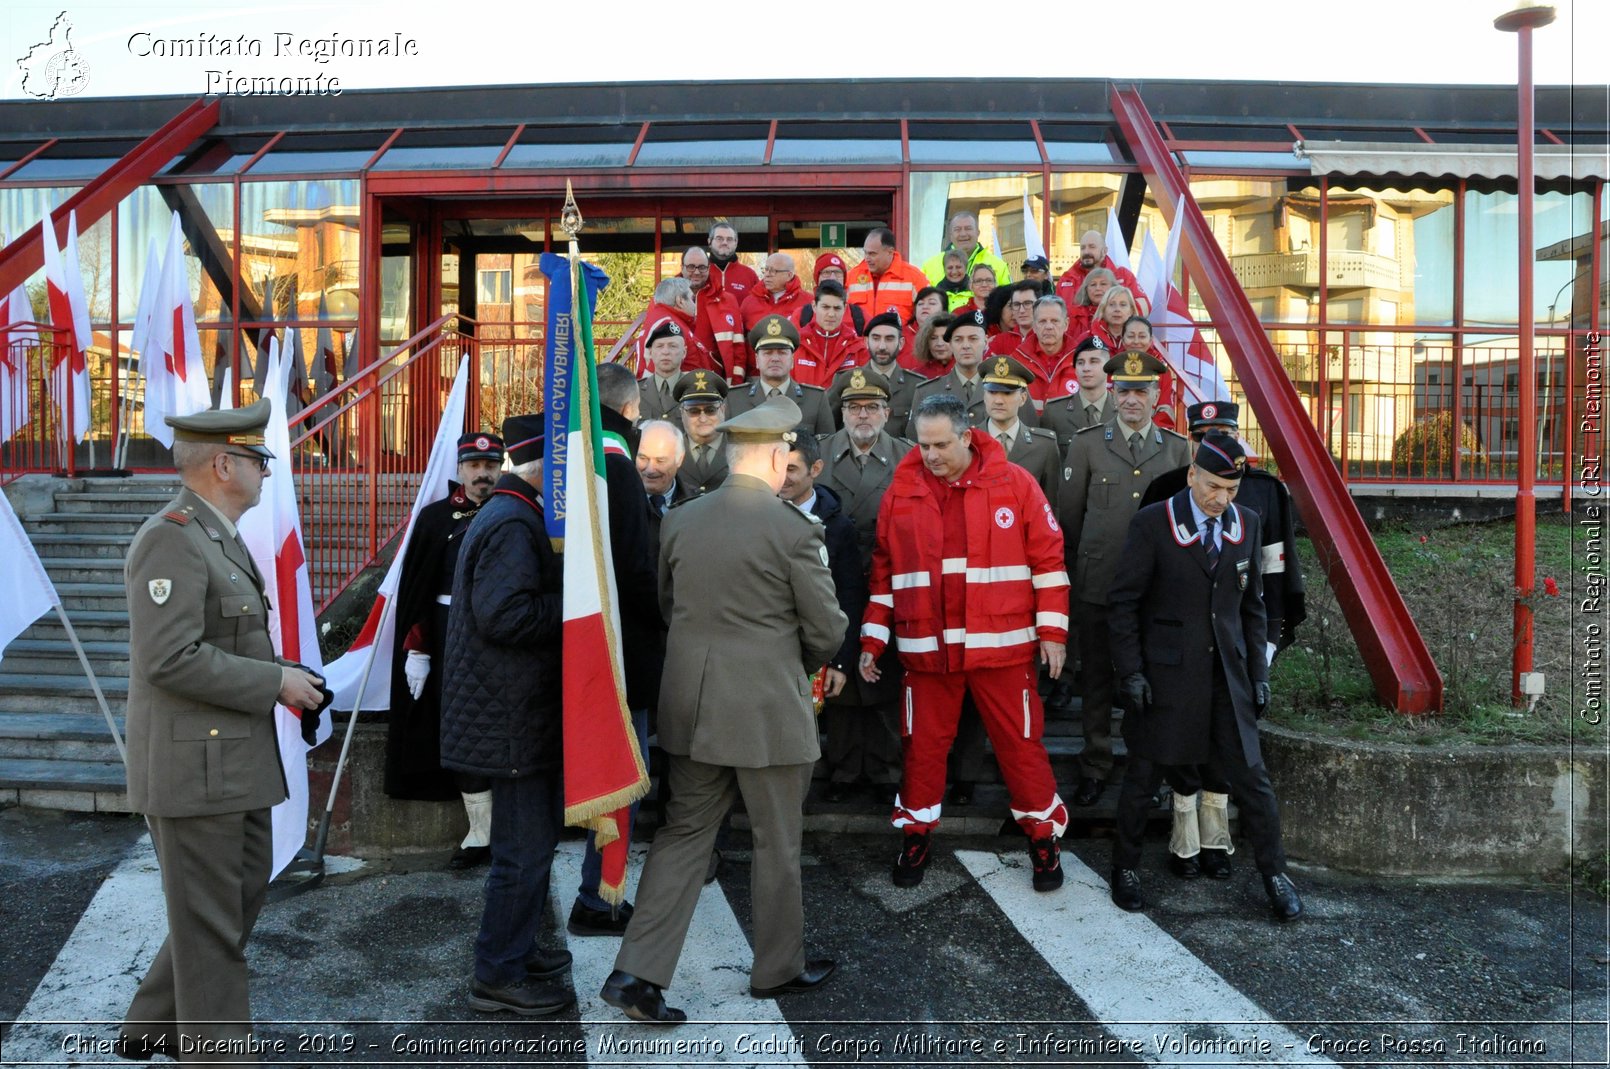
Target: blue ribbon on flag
x=558, y=368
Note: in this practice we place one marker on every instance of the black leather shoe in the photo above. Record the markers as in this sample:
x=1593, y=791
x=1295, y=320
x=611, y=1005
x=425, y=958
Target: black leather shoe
x=467, y=857
x=1126, y=890
x=526, y=998
x=961, y=792
x=639, y=999
x=1186, y=868
x=585, y=921
x=547, y=964
x=836, y=792
x=913, y=859
x=1215, y=863
x=1089, y=790
x=1283, y=897
x=814, y=975
x=1045, y=857
x=885, y=793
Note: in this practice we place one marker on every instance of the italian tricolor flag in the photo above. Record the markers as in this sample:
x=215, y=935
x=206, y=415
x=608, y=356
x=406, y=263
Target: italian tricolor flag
x=604, y=770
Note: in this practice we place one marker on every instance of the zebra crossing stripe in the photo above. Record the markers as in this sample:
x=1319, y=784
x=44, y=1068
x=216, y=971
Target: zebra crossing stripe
x=1143, y=986
x=711, y=984
x=94, y=976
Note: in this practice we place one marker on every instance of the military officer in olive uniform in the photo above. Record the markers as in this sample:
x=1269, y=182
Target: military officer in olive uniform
x=203, y=756
x=702, y=397
x=1034, y=449
x=883, y=340
x=967, y=335
x=773, y=341
x=666, y=348
x=861, y=729
x=745, y=585
x=1090, y=405
x=1106, y=473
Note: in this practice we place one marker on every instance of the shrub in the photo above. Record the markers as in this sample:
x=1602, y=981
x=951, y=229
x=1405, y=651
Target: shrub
x=1427, y=447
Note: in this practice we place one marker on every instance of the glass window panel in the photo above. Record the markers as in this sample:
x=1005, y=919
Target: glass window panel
x=69, y=160
x=1077, y=152
x=1079, y=202
x=837, y=142
x=1393, y=247
x=1228, y=132
x=1492, y=255
x=217, y=155
x=694, y=153
x=302, y=236
x=574, y=146
x=208, y=223
x=320, y=152
x=433, y=149
x=996, y=199
x=23, y=208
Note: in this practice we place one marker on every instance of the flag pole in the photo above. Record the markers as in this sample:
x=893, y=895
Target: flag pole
x=323, y=834
x=95, y=684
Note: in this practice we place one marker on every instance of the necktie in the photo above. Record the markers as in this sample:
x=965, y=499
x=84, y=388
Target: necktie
x=657, y=501
x=968, y=393
x=665, y=391
x=1093, y=413
x=860, y=461
x=1005, y=440
x=1134, y=447
x=1210, y=543
x=703, y=453
x=774, y=392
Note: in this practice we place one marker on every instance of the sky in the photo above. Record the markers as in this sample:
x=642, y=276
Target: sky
x=1393, y=41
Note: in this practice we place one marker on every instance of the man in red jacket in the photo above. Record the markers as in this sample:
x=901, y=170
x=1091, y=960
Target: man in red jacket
x=968, y=577
x=716, y=322
x=883, y=282
x=778, y=294
x=1093, y=254
x=827, y=344
x=737, y=278
x=674, y=302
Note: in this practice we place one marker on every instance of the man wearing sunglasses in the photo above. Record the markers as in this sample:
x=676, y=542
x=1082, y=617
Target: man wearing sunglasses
x=203, y=757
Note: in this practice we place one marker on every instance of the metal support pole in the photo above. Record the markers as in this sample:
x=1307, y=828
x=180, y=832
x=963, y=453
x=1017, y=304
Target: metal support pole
x=1522, y=21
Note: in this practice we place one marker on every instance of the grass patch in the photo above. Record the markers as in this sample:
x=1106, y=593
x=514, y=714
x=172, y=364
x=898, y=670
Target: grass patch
x=1458, y=583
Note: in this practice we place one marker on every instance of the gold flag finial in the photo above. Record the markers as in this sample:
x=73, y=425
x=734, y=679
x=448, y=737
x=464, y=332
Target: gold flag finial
x=570, y=220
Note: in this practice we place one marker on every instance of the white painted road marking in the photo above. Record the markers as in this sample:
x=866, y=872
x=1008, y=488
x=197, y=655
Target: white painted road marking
x=100, y=965
x=1136, y=979
x=711, y=984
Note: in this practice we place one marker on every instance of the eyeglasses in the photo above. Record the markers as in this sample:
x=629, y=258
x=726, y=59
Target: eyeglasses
x=261, y=461
x=870, y=408
x=1022, y=304
x=702, y=410
x=696, y=267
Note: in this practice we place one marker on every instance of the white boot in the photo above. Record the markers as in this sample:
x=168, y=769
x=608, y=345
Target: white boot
x=1216, y=844
x=478, y=807
x=477, y=846
x=1185, y=840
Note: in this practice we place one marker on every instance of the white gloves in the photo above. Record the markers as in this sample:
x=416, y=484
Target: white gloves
x=1268, y=649
x=416, y=669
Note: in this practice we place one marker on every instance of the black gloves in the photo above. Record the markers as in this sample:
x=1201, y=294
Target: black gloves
x=1136, y=692
x=310, y=717
x=1260, y=697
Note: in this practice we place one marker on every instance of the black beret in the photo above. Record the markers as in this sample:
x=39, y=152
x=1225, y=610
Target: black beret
x=884, y=319
x=1222, y=456
x=527, y=438
x=975, y=318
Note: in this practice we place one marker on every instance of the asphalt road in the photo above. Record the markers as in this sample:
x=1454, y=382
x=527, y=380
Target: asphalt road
x=972, y=967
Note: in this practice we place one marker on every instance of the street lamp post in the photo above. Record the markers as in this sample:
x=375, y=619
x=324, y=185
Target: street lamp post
x=1521, y=21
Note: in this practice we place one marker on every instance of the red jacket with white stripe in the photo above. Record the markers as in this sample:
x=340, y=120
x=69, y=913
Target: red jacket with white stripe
x=821, y=356
x=700, y=356
x=1014, y=585
x=720, y=326
x=893, y=291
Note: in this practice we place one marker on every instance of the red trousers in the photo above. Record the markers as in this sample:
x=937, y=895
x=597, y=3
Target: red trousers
x=1009, y=705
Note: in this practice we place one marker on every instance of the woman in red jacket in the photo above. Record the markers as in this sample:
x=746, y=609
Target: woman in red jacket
x=930, y=354
x=1082, y=312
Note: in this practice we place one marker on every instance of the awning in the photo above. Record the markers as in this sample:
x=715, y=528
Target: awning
x=1460, y=161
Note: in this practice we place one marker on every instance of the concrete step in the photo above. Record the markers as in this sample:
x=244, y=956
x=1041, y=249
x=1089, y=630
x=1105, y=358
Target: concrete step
x=131, y=502
x=84, y=569
x=97, y=545
x=48, y=657
x=103, y=523
x=98, y=597
x=59, y=736
x=90, y=626
x=76, y=786
x=39, y=693
x=134, y=484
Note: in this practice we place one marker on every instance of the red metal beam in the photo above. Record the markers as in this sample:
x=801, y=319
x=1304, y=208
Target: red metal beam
x=20, y=164
x=26, y=254
x=1405, y=676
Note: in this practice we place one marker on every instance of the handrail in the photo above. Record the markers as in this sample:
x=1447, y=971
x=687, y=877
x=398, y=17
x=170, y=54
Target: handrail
x=1393, y=649
x=357, y=376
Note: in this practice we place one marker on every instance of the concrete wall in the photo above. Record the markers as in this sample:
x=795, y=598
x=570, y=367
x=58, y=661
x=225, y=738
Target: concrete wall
x=1392, y=809
x=366, y=822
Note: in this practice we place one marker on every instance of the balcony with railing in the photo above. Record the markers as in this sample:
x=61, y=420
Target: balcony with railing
x=1344, y=269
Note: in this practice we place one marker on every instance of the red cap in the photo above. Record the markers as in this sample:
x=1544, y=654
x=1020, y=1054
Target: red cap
x=830, y=259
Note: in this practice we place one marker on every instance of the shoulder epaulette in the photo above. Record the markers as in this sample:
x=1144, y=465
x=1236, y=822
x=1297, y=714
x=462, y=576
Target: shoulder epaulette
x=181, y=515
x=1177, y=434
x=1094, y=427
x=1041, y=432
